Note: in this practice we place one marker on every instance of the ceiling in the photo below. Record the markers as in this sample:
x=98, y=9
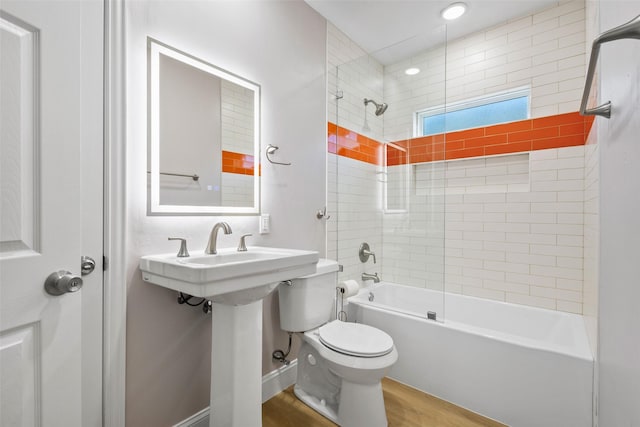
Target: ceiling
x=392, y=30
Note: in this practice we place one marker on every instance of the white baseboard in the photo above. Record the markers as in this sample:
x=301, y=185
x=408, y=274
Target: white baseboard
x=272, y=383
x=199, y=419
x=277, y=380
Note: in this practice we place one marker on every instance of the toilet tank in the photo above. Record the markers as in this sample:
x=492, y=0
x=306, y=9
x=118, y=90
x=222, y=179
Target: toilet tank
x=308, y=302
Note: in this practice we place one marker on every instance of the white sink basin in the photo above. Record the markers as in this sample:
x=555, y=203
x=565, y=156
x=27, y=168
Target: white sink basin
x=229, y=277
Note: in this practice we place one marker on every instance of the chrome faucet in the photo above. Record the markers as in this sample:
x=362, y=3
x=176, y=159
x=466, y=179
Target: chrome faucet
x=374, y=277
x=213, y=237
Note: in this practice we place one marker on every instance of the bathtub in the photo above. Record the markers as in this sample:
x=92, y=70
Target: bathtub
x=519, y=365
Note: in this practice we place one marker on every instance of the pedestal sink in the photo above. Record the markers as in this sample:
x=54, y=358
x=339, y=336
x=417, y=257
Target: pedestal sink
x=236, y=282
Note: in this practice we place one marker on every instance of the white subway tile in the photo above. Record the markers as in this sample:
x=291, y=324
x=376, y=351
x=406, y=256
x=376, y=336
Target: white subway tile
x=528, y=279
x=507, y=247
x=556, y=250
x=480, y=273
x=531, y=197
x=570, y=240
x=544, y=175
x=507, y=227
x=570, y=218
x=510, y=27
x=557, y=272
x=518, y=188
x=533, y=217
x=465, y=244
x=563, y=207
x=567, y=295
x=570, y=229
x=569, y=307
x=572, y=17
x=543, y=292
x=532, y=238
x=566, y=185
x=484, y=198
x=484, y=235
x=577, y=151
x=568, y=284
x=570, y=196
x=531, y=259
x=484, y=255
x=464, y=262
x=569, y=262
x=506, y=267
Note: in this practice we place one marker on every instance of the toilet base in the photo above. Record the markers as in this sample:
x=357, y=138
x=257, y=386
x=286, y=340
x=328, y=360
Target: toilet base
x=346, y=403
x=361, y=405
x=321, y=406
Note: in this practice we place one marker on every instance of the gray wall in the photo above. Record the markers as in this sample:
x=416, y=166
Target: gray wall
x=281, y=46
x=619, y=284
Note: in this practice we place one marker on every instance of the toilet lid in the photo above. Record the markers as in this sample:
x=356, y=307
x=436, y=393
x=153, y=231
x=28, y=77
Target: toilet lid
x=355, y=339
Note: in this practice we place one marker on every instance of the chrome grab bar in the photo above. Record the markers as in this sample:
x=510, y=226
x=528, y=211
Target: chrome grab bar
x=630, y=30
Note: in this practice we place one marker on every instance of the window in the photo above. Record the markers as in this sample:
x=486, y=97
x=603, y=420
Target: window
x=485, y=111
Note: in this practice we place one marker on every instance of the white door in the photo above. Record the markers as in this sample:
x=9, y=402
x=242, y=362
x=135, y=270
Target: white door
x=50, y=211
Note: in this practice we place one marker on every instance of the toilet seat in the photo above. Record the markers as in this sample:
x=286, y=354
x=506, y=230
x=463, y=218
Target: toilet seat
x=355, y=339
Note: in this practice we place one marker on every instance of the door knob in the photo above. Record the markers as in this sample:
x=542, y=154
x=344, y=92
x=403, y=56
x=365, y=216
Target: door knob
x=62, y=282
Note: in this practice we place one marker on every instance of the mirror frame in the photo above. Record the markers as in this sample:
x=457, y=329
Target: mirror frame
x=154, y=49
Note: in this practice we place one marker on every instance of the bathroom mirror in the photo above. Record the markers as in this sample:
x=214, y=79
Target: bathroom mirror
x=204, y=136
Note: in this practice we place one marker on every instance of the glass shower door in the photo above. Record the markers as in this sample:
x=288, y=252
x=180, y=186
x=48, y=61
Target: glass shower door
x=386, y=182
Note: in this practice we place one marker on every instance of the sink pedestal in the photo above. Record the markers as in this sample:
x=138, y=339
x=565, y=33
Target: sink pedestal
x=236, y=282
x=236, y=365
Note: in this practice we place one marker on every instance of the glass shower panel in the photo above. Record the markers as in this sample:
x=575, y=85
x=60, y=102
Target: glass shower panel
x=357, y=158
x=389, y=182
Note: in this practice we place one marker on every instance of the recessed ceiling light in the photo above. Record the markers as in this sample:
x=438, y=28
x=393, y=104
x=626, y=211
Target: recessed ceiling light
x=454, y=11
x=412, y=71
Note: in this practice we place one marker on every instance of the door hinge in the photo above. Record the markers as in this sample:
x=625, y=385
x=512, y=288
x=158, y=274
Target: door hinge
x=105, y=263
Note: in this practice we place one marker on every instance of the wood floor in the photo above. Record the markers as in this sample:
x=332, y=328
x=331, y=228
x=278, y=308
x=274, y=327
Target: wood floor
x=406, y=407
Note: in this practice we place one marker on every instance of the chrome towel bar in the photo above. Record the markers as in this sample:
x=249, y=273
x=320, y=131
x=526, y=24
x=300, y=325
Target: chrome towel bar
x=272, y=149
x=630, y=30
x=194, y=177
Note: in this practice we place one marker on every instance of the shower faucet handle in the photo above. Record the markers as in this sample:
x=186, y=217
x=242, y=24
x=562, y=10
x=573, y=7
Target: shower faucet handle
x=365, y=252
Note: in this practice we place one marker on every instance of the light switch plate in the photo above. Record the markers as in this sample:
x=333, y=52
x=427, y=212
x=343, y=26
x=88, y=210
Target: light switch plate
x=265, y=223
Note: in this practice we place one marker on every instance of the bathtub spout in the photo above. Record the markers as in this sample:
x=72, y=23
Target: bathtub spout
x=374, y=277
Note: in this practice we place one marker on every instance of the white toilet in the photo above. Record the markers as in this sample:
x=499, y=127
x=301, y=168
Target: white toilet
x=340, y=364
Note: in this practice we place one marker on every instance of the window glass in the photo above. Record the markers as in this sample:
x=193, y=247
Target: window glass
x=491, y=110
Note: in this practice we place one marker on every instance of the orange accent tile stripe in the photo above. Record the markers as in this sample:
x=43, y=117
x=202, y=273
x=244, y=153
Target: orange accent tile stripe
x=239, y=163
x=346, y=143
x=562, y=130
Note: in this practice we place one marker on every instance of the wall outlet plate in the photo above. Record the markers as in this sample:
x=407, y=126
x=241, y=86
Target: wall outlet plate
x=265, y=223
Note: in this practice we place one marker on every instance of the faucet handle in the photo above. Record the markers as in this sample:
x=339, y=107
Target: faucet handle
x=242, y=247
x=183, y=252
x=365, y=252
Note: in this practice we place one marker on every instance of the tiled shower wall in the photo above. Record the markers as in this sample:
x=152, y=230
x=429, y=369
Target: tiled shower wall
x=503, y=227
x=520, y=244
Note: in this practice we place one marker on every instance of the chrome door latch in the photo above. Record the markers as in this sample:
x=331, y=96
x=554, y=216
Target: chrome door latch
x=87, y=265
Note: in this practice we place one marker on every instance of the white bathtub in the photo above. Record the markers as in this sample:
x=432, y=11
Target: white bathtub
x=518, y=365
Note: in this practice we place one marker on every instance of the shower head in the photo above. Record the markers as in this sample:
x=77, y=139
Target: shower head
x=380, y=108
